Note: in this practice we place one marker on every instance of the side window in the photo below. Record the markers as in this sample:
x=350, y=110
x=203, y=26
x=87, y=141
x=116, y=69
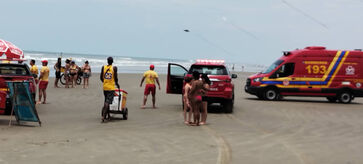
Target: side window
x=177, y=71
x=285, y=70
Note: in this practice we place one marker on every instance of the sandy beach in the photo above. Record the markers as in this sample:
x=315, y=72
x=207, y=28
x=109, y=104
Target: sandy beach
x=295, y=130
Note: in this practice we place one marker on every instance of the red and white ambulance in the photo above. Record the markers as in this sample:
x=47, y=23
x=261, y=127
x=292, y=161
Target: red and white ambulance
x=313, y=71
x=221, y=89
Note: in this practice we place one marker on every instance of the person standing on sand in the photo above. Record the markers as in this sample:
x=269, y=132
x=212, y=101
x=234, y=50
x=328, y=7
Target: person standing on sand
x=57, y=68
x=206, y=85
x=109, y=79
x=187, y=107
x=34, y=70
x=195, y=97
x=151, y=76
x=43, y=81
x=66, y=72
x=86, y=69
x=73, y=70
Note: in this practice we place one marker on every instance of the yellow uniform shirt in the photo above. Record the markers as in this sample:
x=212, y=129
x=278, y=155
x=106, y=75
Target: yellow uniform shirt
x=34, y=69
x=150, y=77
x=45, y=72
x=108, y=78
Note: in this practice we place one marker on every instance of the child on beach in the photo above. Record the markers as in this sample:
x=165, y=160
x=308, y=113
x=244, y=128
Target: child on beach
x=206, y=85
x=187, y=107
x=43, y=81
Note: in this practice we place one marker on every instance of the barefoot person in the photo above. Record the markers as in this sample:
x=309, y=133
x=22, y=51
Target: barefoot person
x=150, y=77
x=86, y=69
x=66, y=72
x=206, y=84
x=43, y=81
x=57, y=68
x=73, y=70
x=195, y=97
x=187, y=107
x=109, y=79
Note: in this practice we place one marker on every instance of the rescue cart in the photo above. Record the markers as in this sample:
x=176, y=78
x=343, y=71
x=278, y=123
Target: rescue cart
x=118, y=105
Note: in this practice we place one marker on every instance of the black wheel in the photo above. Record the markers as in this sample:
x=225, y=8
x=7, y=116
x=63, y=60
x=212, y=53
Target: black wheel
x=345, y=97
x=63, y=79
x=228, y=105
x=260, y=96
x=125, y=114
x=271, y=94
x=79, y=80
x=332, y=99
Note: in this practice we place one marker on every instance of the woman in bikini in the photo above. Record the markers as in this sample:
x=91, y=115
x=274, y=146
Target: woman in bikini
x=187, y=107
x=57, y=68
x=206, y=84
x=73, y=70
x=195, y=97
x=66, y=72
x=86, y=69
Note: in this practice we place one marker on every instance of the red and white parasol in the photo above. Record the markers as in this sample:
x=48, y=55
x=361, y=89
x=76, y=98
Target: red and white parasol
x=10, y=50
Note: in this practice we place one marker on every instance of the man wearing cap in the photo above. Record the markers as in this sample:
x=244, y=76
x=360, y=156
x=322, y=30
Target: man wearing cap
x=150, y=77
x=109, y=78
x=43, y=81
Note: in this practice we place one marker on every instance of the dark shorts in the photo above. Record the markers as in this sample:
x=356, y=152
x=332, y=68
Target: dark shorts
x=204, y=98
x=57, y=75
x=150, y=88
x=86, y=75
x=72, y=74
x=109, y=96
x=43, y=84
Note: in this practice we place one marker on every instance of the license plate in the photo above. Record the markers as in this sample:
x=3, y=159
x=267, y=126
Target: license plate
x=213, y=89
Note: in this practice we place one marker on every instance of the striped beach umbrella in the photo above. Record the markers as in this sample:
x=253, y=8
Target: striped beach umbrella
x=10, y=50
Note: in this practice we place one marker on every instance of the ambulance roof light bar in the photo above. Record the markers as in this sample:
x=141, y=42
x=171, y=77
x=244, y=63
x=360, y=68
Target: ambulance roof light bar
x=209, y=61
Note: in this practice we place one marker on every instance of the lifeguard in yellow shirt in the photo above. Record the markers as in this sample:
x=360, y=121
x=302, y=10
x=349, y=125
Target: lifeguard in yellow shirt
x=34, y=70
x=43, y=81
x=150, y=77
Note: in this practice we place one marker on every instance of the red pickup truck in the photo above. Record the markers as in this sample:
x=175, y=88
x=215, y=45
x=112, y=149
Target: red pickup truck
x=13, y=72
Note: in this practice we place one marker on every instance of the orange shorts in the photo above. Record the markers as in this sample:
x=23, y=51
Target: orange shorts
x=43, y=84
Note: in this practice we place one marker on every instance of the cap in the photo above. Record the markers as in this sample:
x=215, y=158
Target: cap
x=44, y=61
x=152, y=66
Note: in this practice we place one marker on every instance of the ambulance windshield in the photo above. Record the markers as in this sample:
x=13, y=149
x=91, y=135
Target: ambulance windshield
x=273, y=66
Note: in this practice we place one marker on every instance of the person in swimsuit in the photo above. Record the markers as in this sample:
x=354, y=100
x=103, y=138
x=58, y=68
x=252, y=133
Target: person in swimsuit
x=187, y=107
x=73, y=70
x=57, y=68
x=86, y=69
x=206, y=84
x=66, y=72
x=109, y=79
x=195, y=97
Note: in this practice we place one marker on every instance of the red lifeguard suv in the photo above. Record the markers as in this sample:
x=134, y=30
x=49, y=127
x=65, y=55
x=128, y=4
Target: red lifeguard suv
x=221, y=89
x=313, y=71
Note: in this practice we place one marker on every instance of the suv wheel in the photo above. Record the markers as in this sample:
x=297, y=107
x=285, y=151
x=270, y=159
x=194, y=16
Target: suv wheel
x=228, y=105
x=332, y=99
x=271, y=94
x=345, y=97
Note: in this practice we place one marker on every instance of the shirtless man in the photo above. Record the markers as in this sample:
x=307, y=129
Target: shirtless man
x=195, y=97
x=187, y=107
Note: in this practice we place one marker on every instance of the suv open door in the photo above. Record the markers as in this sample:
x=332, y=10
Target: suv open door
x=175, y=78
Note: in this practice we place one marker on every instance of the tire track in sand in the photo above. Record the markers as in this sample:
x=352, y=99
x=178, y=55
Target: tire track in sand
x=301, y=157
x=224, y=150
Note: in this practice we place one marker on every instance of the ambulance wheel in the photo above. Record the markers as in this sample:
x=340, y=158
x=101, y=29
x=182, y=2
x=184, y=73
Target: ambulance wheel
x=228, y=106
x=124, y=115
x=345, y=97
x=271, y=94
x=332, y=99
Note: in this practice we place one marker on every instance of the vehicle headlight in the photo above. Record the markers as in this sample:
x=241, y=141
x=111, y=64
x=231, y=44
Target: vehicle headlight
x=257, y=79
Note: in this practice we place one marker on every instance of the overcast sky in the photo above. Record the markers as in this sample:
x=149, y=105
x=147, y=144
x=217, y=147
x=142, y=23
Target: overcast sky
x=241, y=31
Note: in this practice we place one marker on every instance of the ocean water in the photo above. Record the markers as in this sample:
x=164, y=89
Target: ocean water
x=125, y=64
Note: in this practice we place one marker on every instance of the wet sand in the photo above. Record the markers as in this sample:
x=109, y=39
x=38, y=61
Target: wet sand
x=295, y=130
